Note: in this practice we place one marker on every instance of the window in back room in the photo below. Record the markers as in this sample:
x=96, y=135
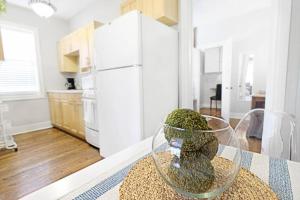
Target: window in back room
x=19, y=70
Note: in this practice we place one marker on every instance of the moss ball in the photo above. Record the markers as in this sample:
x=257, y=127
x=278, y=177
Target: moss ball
x=210, y=149
x=189, y=132
x=193, y=174
x=189, y=127
x=187, y=119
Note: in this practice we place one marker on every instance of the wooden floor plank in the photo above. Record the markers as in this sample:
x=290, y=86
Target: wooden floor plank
x=254, y=145
x=43, y=158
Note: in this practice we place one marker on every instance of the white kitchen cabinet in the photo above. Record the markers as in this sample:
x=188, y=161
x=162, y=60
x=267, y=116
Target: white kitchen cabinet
x=213, y=60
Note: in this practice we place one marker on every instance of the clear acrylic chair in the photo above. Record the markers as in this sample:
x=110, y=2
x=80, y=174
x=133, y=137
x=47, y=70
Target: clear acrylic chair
x=268, y=133
x=6, y=139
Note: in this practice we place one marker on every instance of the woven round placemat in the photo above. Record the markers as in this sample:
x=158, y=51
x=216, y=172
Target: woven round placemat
x=144, y=183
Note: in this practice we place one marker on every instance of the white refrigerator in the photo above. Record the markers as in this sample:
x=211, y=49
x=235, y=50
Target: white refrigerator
x=136, y=79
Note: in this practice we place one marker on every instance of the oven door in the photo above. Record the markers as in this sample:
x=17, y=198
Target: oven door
x=90, y=113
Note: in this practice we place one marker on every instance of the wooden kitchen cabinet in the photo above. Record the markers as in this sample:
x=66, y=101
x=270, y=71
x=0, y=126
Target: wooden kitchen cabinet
x=79, y=120
x=55, y=110
x=67, y=47
x=52, y=111
x=66, y=112
x=58, y=113
x=146, y=7
x=165, y=11
x=86, y=54
x=76, y=39
x=128, y=5
x=76, y=49
x=67, y=63
x=1, y=49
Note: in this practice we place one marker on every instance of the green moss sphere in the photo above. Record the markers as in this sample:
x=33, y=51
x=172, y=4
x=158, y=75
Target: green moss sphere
x=188, y=127
x=193, y=174
x=2, y=6
x=210, y=149
x=187, y=119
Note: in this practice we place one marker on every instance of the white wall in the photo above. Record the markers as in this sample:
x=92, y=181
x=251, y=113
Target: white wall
x=209, y=81
x=250, y=33
x=215, y=11
x=34, y=114
x=101, y=10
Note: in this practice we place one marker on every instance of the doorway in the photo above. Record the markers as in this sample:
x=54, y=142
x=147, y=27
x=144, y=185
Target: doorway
x=234, y=50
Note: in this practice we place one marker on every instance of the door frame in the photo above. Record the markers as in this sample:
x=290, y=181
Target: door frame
x=277, y=77
x=276, y=80
x=185, y=28
x=226, y=74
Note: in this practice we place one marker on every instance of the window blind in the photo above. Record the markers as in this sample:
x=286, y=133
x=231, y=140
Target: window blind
x=19, y=70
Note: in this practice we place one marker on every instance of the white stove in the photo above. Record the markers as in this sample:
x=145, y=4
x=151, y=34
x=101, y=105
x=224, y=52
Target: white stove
x=90, y=110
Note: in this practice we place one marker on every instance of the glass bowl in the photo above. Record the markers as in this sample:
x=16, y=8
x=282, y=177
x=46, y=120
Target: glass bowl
x=193, y=162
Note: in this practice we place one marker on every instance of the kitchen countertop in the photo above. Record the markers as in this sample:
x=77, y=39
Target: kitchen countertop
x=65, y=91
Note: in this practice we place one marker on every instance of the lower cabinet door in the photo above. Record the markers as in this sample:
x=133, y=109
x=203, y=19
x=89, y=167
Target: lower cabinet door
x=68, y=110
x=79, y=121
x=58, y=113
x=52, y=111
x=67, y=113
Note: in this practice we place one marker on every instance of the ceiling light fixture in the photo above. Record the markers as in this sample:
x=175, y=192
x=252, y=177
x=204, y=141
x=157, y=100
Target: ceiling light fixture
x=42, y=8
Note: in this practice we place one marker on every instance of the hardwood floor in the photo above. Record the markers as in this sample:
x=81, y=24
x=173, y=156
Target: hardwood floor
x=211, y=112
x=217, y=113
x=43, y=157
x=254, y=145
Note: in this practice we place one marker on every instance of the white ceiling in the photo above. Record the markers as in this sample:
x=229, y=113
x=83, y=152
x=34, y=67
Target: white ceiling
x=65, y=8
x=213, y=11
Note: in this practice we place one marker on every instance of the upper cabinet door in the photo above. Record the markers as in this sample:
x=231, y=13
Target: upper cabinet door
x=165, y=11
x=213, y=60
x=146, y=6
x=84, y=54
x=118, y=44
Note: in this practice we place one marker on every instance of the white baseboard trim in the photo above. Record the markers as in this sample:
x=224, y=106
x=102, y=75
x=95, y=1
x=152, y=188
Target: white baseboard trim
x=208, y=106
x=16, y=130
x=236, y=115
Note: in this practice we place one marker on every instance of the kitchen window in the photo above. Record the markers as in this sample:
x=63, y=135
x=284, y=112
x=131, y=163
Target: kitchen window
x=20, y=69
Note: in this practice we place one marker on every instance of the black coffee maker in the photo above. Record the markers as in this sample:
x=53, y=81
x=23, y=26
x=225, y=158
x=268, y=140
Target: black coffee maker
x=70, y=84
